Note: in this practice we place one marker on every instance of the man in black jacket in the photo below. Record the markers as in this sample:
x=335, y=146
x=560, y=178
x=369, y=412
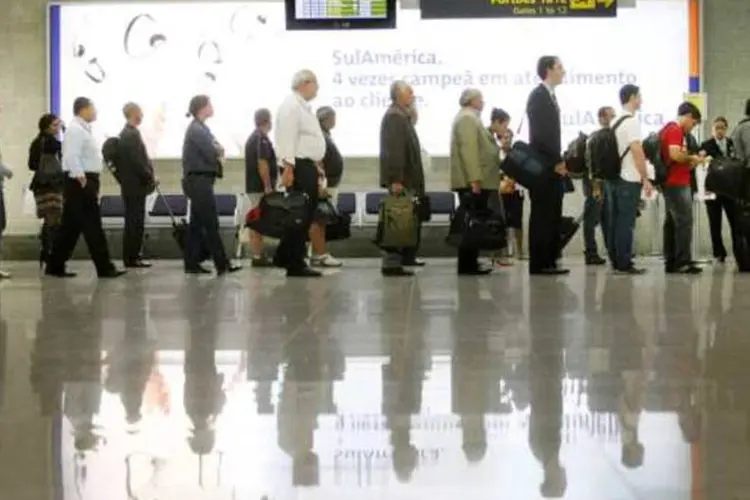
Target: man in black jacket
x=543, y=114
x=136, y=176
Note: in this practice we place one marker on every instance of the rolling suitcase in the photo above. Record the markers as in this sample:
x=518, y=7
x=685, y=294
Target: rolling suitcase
x=180, y=230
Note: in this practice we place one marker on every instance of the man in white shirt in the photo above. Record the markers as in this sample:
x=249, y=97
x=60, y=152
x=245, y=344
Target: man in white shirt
x=300, y=145
x=625, y=192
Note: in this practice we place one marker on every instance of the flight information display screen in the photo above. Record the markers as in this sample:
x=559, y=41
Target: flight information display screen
x=341, y=9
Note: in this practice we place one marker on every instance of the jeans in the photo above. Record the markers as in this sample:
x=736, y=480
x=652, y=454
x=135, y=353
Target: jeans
x=678, y=227
x=622, y=211
x=592, y=217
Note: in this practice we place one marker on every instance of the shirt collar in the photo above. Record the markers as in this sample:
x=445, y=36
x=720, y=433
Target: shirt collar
x=302, y=101
x=549, y=88
x=83, y=123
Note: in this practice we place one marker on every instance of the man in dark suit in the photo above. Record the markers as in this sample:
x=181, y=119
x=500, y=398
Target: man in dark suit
x=720, y=146
x=547, y=194
x=400, y=165
x=136, y=176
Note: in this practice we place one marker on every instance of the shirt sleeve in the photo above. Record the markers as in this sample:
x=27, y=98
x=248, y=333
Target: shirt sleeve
x=72, y=149
x=673, y=137
x=632, y=131
x=287, y=130
x=264, y=149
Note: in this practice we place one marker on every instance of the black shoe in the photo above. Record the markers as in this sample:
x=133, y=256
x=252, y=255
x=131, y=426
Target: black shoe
x=139, y=264
x=263, y=261
x=595, y=260
x=390, y=272
x=60, y=274
x=112, y=273
x=305, y=272
x=197, y=270
x=690, y=269
x=474, y=272
x=230, y=269
x=631, y=271
x=552, y=271
x=414, y=263
x=721, y=260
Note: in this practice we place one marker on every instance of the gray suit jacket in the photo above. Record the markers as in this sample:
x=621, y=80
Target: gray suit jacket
x=400, y=151
x=741, y=139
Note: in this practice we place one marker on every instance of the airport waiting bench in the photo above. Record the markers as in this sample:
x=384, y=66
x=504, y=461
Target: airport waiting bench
x=363, y=207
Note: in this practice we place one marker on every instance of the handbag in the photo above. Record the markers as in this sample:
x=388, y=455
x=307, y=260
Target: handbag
x=278, y=213
x=49, y=174
x=397, y=223
x=483, y=229
x=727, y=177
x=523, y=165
x=424, y=208
x=339, y=228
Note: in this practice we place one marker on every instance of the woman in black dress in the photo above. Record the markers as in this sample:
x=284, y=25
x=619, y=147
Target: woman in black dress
x=47, y=192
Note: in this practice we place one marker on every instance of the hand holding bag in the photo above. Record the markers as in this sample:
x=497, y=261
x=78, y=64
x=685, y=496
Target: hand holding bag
x=278, y=213
x=483, y=229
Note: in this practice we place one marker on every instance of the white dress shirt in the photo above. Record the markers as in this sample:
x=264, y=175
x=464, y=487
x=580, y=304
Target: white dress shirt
x=80, y=152
x=298, y=132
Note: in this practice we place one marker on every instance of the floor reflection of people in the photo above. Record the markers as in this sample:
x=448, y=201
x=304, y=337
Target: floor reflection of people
x=475, y=371
x=627, y=363
x=546, y=373
x=3, y=355
x=264, y=349
x=307, y=390
x=204, y=396
x=404, y=373
x=132, y=359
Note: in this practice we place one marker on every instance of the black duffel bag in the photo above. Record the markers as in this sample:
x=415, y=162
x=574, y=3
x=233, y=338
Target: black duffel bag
x=278, y=213
x=338, y=225
x=483, y=229
x=523, y=165
x=727, y=177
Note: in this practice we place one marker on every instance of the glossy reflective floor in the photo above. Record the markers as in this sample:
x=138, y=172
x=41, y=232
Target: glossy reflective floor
x=161, y=386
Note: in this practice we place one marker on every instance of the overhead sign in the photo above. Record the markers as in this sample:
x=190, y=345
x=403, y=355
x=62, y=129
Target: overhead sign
x=464, y=9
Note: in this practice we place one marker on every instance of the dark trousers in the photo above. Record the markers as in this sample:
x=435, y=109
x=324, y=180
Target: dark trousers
x=292, y=251
x=409, y=255
x=714, y=209
x=203, y=229
x=678, y=227
x=593, y=216
x=544, y=224
x=135, y=220
x=622, y=207
x=80, y=216
x=3, y=218
x=468, y=257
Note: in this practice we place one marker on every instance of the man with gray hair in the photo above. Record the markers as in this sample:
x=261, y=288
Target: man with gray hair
x=300, y=146
x=400, y=166
x=136, y=176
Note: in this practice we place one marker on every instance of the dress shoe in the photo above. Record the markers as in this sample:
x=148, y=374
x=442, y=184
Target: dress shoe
x=414, y=263
x=140, y=264
x=595, y=260
x=60, y=274
x=391, y=272
x=304, y=273
x=230, y=269
x=552, y=271
x=112, y=273
x=197, y=270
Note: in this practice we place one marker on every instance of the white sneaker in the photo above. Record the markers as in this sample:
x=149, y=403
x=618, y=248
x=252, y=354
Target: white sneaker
x=4, y=275
x=325, y=260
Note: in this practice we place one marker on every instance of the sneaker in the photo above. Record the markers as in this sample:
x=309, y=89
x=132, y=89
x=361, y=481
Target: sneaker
x=4, y=275
x=325, y=260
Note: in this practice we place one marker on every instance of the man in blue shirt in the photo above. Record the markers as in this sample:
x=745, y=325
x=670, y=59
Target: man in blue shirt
x=82, y=164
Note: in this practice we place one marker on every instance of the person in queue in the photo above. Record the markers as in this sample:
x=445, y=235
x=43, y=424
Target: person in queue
x=201, y=166
x=511, y=193
x=594, y=202
x=261, y=175
x=301, y=145
x=82, y=164
x=137, y=181
x=48, y=197
x=678, y=198
x=401, y=167
x=331, y=171
x=545, y=138
x=475, y=168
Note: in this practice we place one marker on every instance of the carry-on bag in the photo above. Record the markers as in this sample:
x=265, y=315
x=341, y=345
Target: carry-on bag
x=569, y=226
x=397, y=223
x=278, y=213
x=523, y=165
x=483, y=229
x=727, y=177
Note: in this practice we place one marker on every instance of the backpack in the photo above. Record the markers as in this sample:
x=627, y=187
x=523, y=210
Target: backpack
x=575, y=155
x=111, y=150
x=652, y=151
x=603, y=154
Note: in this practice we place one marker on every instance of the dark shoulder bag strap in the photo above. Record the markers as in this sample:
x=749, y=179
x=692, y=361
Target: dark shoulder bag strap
x=614, y=129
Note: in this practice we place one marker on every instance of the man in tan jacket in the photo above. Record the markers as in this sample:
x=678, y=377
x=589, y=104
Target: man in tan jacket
x=475, y=167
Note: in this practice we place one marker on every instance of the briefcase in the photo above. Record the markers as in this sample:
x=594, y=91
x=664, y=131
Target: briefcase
x=278, y=213
x=397, y=223
x=569, y=226
x=523, y=165
x=481, y=229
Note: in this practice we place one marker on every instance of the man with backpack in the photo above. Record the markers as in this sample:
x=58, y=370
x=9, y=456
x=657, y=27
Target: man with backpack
x=617, y=158
x=678, y=199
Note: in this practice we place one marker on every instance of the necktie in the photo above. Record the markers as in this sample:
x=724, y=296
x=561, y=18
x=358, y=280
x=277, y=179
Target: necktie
x=554, y=101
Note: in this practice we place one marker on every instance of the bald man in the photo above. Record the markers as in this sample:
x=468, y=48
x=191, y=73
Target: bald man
x=400, y=166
